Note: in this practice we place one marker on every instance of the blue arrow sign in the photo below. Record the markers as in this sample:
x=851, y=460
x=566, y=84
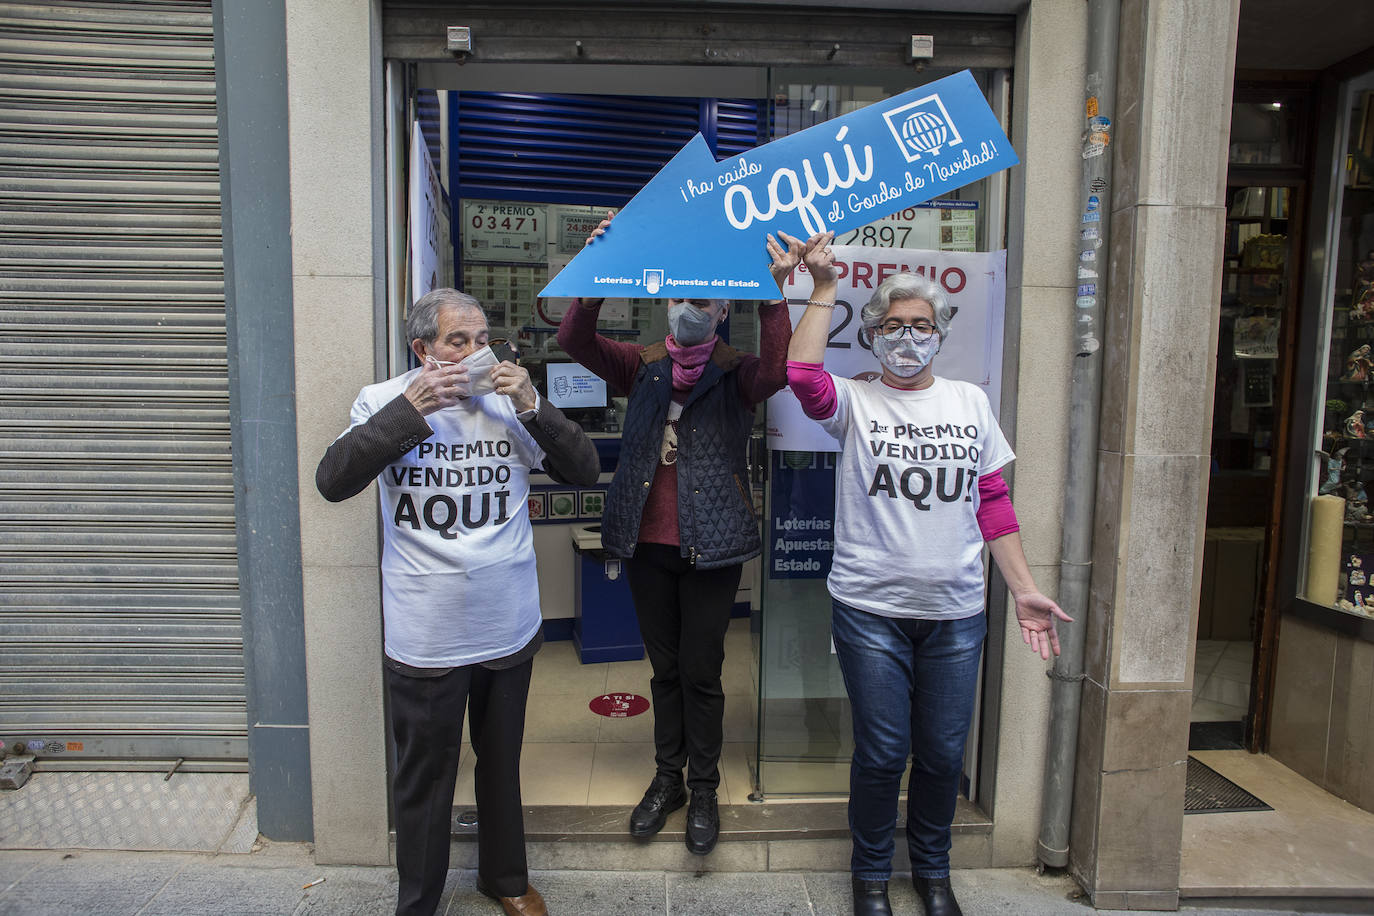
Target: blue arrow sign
x=696, y=230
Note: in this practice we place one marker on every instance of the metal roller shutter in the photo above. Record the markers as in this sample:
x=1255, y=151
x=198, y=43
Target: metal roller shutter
x=593, y=149
x=119, y=609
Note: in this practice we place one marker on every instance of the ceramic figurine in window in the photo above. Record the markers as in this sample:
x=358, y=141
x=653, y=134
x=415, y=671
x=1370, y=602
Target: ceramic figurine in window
x=1355, y=510
x=1363, y=309
x=1354, y=425
x=1358, y=365
x=1335, y=466
x=1357, y=573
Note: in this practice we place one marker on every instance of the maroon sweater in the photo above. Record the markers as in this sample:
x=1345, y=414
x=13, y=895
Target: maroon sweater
x=758, y=378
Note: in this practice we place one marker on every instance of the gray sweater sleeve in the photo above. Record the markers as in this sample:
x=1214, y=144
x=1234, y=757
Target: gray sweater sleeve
x=569, y=455
x=359, y=455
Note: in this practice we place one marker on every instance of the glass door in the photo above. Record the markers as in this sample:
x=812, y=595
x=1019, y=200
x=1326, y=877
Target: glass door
x=805, y=735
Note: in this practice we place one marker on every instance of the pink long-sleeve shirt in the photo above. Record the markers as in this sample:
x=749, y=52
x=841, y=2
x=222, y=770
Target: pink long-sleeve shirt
x=815, y=389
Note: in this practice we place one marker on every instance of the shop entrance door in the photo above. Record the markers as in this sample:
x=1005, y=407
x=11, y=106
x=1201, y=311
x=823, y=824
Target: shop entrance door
x=669, y=53
x=1250, y=421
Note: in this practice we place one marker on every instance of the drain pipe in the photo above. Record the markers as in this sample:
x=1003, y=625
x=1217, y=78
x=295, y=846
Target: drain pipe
x=1085, y=396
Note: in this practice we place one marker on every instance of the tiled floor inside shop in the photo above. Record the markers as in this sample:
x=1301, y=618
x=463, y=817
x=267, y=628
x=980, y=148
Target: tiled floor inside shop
x=572, y=756
x=1221, y=681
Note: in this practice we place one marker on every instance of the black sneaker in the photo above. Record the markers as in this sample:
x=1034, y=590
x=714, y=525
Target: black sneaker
x=937, y=896
x=703, y=822
x=870, y=898
x=664, y=796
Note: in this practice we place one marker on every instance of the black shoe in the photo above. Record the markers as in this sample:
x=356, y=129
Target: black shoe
x=937, y=896
x=870, y=898
x=703, y=822
x=664, y=796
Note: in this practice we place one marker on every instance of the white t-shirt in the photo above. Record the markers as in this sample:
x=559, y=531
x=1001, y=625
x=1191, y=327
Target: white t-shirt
x=907, y=542
x=459, y=585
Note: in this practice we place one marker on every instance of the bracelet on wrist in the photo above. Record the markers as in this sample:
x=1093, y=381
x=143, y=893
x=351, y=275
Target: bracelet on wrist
x=824, y=305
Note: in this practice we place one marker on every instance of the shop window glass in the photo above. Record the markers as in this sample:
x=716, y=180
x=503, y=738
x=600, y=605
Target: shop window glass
x=1340, y=559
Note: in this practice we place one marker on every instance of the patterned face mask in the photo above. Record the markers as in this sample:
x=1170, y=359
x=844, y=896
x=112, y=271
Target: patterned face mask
x=905, y=357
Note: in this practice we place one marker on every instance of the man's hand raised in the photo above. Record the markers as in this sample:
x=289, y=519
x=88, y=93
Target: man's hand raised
x=438, y=385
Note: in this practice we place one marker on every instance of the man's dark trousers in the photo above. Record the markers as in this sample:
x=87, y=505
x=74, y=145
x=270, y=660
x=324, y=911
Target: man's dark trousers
x=427, y=724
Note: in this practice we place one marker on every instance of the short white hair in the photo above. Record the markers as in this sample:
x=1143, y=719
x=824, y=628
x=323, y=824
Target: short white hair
x=422, y=320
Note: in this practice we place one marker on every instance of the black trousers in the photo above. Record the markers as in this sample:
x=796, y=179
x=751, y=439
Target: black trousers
x=427, y=724
x=683, y=614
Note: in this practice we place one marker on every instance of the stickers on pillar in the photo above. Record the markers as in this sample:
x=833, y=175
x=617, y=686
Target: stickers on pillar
x=697, y=229
x=1098, y=136
x=618, y=705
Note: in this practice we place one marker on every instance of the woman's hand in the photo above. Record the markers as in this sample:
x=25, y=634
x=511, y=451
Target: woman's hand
x=786, y=252
x=820, y=258
x=601, y=228
x=1037, y=615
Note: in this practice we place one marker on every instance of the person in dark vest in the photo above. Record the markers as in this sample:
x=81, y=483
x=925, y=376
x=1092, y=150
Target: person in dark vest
x=451, y=444
x=681, y=512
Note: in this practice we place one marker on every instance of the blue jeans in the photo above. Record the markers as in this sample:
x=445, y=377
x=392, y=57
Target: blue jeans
x=912, y=685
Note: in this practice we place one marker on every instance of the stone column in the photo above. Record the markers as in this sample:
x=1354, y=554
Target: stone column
x=337, y=226
x=1169, y=147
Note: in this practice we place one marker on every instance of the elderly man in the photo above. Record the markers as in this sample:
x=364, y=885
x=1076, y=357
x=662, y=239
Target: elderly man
x=451, y=445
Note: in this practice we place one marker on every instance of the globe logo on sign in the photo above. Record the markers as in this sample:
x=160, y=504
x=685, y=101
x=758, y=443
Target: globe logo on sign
x=922, y=128
x=924, y=132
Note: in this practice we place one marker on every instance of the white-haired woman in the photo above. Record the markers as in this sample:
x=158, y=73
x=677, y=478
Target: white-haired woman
x=918, y=492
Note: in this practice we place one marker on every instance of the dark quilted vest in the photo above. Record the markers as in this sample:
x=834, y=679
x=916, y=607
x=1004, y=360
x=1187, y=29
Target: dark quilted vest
x=716, y=521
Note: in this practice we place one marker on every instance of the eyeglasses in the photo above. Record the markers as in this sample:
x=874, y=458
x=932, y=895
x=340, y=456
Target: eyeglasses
x=893, y=330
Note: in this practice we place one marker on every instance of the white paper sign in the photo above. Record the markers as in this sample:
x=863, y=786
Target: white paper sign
x=425, y=202
x=976, y=283
x=572, y=385
x=505, y=230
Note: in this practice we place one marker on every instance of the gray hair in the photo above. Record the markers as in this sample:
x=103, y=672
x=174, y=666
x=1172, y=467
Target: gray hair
x=908, y=286
x=422, y=320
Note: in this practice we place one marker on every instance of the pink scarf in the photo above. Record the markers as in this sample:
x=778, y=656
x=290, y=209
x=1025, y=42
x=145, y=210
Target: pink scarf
x=689, y=362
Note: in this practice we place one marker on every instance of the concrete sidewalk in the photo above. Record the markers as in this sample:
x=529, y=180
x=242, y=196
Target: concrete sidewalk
x=270, y=881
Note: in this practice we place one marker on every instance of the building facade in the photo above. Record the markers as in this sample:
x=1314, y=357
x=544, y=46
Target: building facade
x=195, y=577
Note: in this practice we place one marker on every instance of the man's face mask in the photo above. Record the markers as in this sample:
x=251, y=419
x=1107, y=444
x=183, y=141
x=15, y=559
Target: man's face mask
x=905, y=357
x=690, y=325
x=478, y=363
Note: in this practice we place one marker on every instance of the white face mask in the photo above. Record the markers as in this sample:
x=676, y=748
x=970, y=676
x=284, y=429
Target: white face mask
x=905, y=358
x=689, y=324
x=478, y=363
